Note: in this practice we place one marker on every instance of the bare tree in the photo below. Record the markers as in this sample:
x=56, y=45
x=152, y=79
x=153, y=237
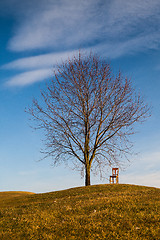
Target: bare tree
x=88, y=114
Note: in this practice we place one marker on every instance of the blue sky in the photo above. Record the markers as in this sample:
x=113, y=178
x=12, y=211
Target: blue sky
x=35, y=36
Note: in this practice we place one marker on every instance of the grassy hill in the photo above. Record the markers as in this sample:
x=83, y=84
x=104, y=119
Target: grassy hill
x=94, y=212
x=10, y=195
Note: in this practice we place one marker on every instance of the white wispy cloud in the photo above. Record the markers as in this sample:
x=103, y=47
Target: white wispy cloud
x=47, y=62
x=110, y=28
x=74, y=24
x=56, y=24
x=132, y=17
x=29, y=77
x=129, y=46
x=37, y=68
x=40, y=61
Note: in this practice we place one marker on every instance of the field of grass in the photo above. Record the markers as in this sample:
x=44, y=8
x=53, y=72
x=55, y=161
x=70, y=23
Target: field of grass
x=94, y=212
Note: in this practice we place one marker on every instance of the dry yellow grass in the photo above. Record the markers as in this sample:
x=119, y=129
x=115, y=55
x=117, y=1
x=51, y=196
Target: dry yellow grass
x=94, y=212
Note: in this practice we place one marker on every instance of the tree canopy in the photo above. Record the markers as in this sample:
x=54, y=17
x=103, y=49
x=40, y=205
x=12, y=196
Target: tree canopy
x=88, y=114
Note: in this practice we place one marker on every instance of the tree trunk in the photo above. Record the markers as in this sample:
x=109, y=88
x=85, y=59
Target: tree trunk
x=87, y=176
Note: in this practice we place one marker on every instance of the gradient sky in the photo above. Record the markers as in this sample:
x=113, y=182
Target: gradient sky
x=35, y=35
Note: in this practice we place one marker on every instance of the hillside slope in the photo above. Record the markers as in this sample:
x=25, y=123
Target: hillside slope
x=10, y=197
x=94, y=212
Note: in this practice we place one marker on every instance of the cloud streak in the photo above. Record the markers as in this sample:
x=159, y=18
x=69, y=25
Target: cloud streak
x=72, y=24
x=57, y=24
x=40, y=61
x=110, y=28
x=37, y=68
x=28, y=78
